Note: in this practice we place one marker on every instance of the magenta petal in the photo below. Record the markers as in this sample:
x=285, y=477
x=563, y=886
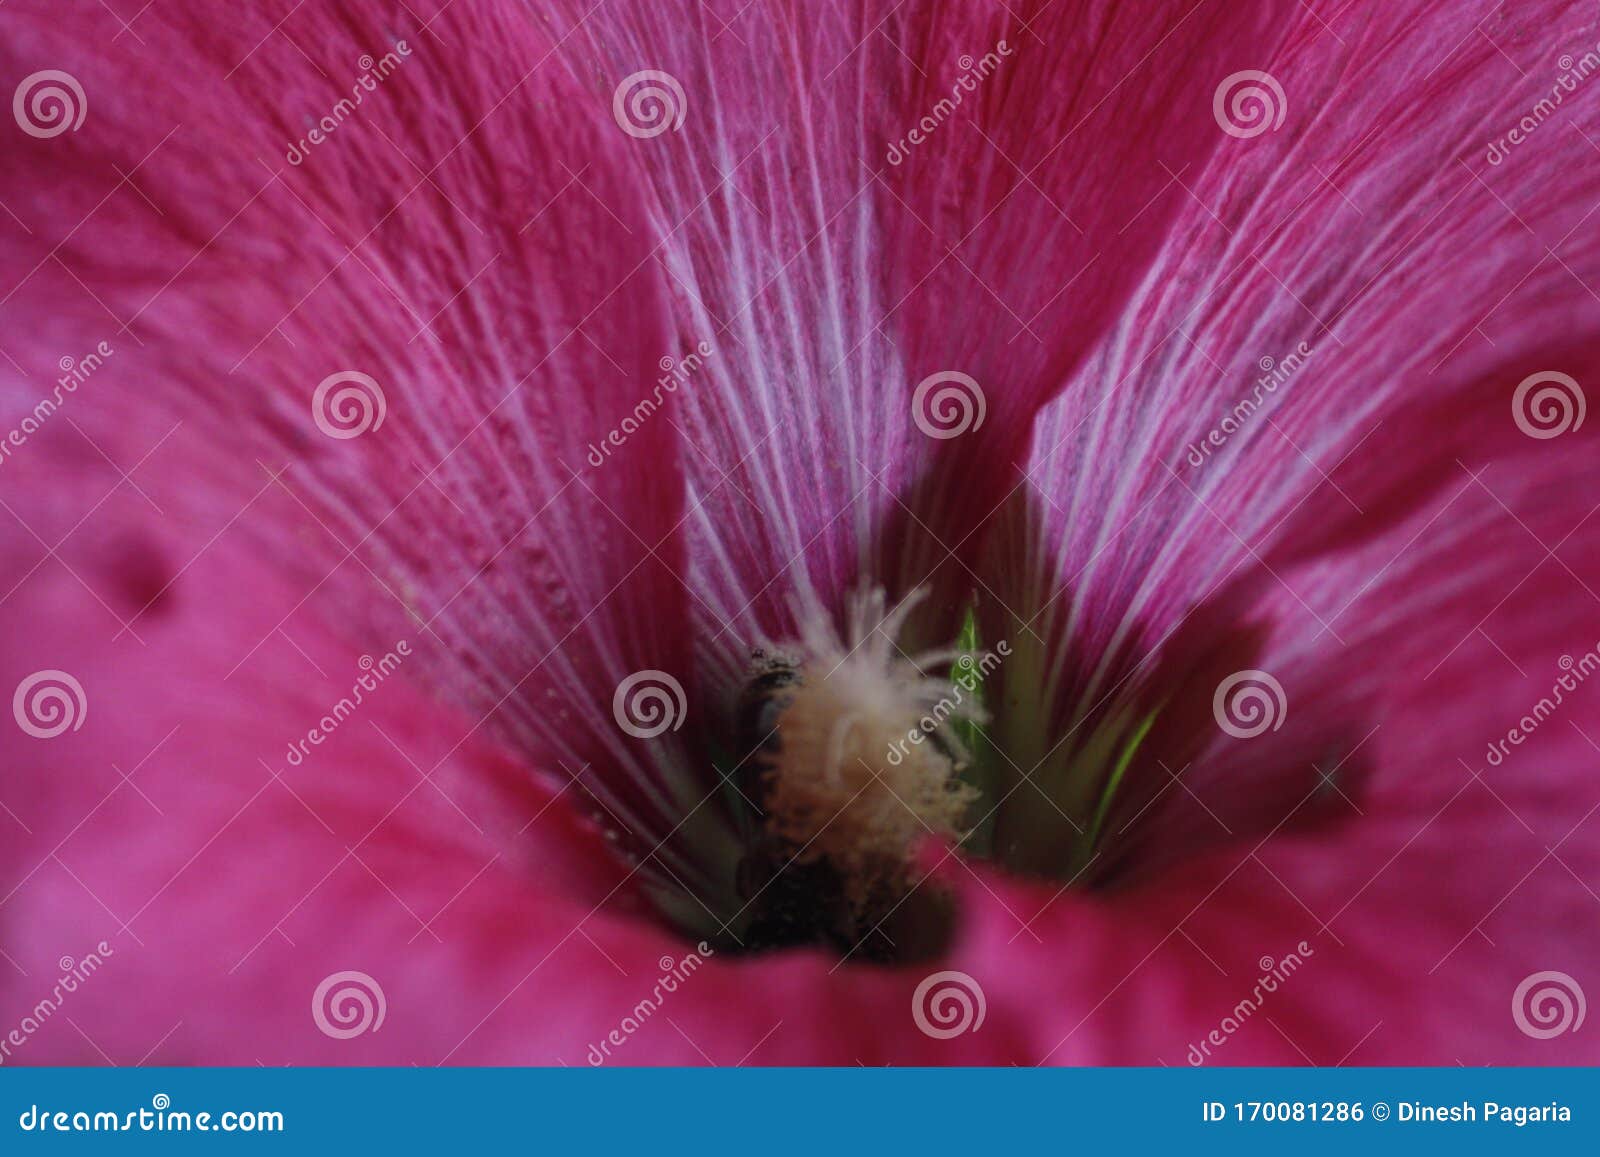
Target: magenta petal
x=471, y=269
x=1382, y=528
x=1333, y=336
x=225, y=880
x=489, y=244
x=885, y=322
x=1034, y=167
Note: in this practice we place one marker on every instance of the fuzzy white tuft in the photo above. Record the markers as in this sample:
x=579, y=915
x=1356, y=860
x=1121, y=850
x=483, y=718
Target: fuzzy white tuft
x=858, y=776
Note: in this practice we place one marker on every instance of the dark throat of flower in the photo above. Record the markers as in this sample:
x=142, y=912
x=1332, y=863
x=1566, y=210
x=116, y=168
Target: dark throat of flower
x=858, y=761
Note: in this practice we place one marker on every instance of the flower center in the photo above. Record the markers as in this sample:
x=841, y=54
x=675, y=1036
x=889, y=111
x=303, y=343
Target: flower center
x=857, y=763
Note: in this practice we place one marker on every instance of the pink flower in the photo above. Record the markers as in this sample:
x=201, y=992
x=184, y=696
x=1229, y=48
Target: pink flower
x=476, y=484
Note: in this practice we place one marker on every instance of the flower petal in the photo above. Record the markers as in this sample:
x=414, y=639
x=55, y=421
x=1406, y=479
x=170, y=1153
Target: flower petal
x=845, y=429
x=272, y=883
x=164, y=819
x=230, y=886
x=1338, y=327
x=324, y=210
